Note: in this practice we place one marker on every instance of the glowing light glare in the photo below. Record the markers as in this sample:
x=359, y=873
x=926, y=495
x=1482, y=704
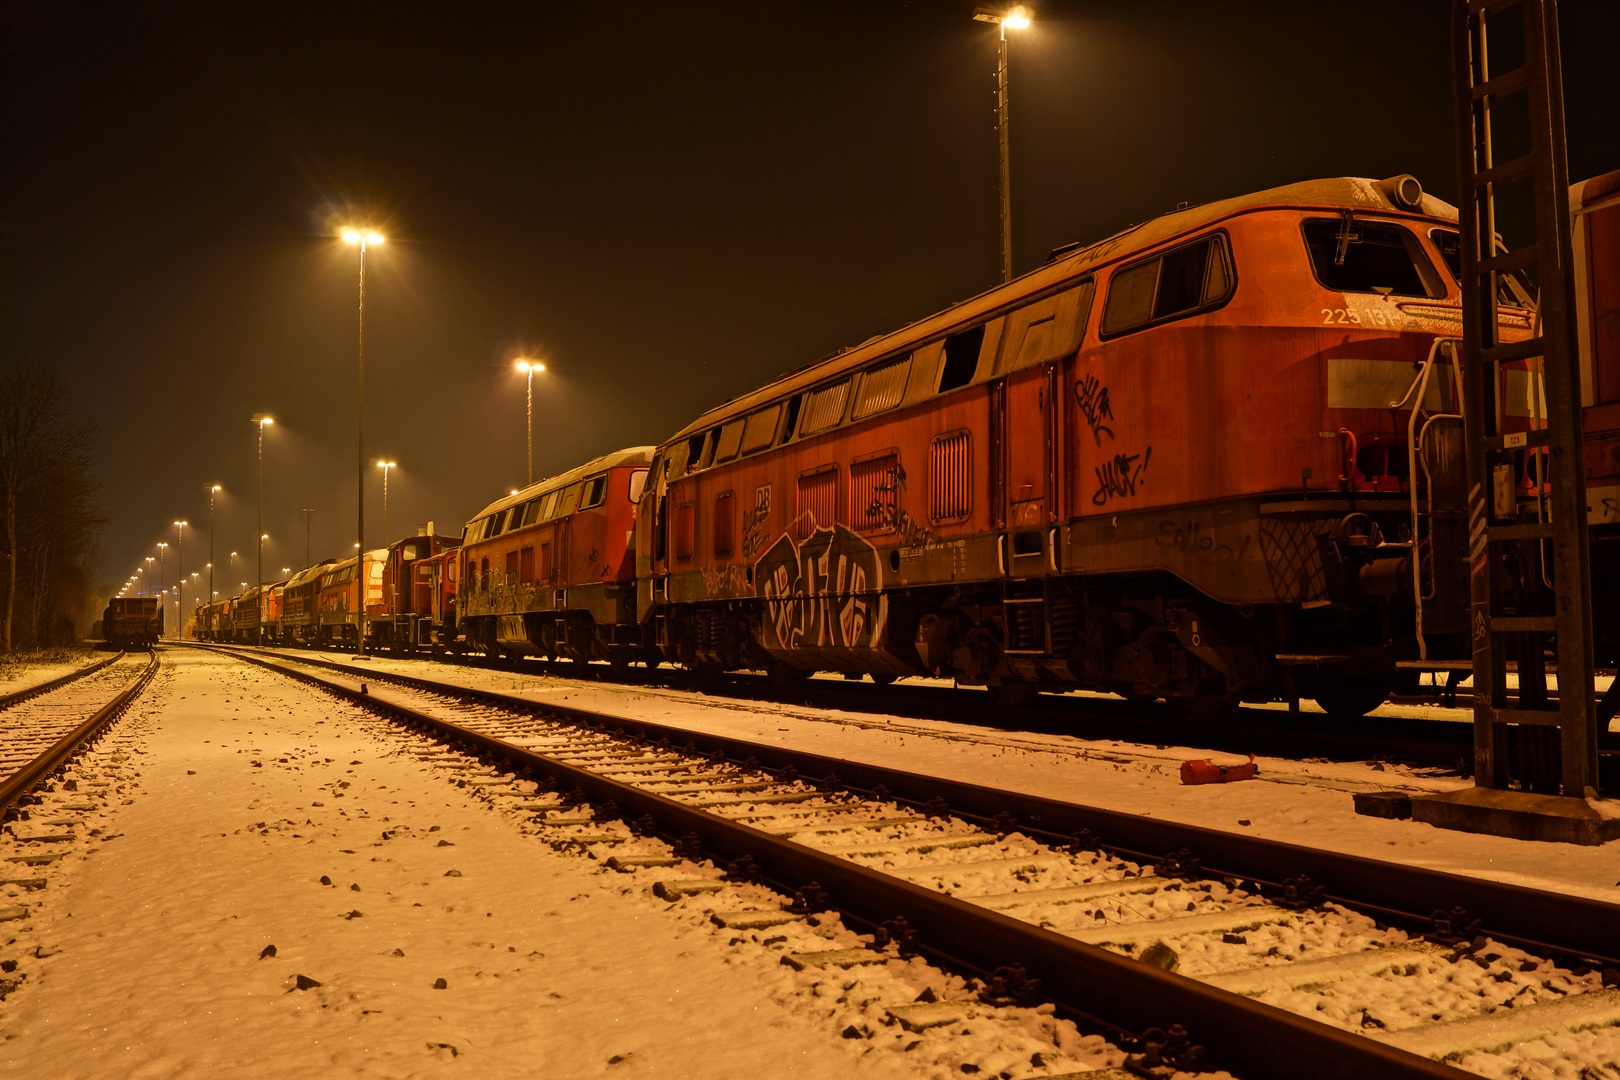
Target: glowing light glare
x=374, y=238
x=1017, y=18
x=350, y=236
x=530, y=365
x=355, y=236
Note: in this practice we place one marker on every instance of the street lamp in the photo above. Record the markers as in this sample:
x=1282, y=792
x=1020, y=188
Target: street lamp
x=180, y=572
x=213, y=490
x=1016, y=18
x=529, y=367
x=160, y=547
x=309, y=515
x=385, y=466
x=259, y=421
x=362, y=239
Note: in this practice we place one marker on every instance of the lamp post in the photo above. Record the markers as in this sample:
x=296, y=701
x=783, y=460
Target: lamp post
x=149, y=561
x=1016, y=18
x=259, y=421
x=213, y=490
x=309, y=515
x=161, y=546
x=529, y=367
x=385, y=466
x=180, y=575
x=355, y=236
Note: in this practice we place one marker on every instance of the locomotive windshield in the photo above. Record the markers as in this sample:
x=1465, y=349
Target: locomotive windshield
x=1512, y=289
x=1364, y=256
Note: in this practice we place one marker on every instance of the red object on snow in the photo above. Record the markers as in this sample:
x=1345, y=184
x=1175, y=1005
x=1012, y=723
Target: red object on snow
x=1207, y=772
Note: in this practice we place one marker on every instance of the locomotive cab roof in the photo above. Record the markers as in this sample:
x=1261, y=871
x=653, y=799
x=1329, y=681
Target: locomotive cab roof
x=1396, y=195
x=632, y=455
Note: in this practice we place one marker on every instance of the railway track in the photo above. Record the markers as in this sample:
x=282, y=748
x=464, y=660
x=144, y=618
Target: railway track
x=43, y=727
x=1269, y=955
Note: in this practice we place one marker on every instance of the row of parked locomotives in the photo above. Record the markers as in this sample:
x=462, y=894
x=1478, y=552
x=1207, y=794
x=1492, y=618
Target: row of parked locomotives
x=1216, y=457
x=406, y=594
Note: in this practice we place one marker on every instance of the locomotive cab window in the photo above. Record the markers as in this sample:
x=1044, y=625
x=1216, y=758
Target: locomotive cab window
x=792, y=419
x=1351, y=255
x=638, y=484
x=593, y=492
x=1512, y=288
x=1171, y=285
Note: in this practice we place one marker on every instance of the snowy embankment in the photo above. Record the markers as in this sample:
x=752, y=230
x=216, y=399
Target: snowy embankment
x=252, y=880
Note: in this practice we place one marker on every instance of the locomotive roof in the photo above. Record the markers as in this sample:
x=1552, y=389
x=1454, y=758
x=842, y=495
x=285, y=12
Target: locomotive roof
x=303, y=576
x=1357, y=193
x=631, y=455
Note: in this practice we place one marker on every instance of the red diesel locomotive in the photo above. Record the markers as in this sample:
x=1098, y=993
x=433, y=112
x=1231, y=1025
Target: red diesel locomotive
x=1192, y=461
x=548, y=570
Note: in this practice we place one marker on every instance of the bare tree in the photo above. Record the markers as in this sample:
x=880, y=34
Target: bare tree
x=51, y=514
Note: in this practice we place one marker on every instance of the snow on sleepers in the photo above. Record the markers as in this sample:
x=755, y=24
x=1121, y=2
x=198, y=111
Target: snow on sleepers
x=1212, y=923
x=843, y=958
x=1069, y=894
x=751, y=920
x=1495, y=1032
x=676, y=889
x=1327, y=969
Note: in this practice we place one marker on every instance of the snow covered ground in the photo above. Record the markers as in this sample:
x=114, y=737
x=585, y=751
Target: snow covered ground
x=250, y=880
x=1307, y=803
x=32, y=669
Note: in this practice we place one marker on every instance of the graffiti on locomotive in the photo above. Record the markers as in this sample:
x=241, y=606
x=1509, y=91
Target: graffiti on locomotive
x=822, y=592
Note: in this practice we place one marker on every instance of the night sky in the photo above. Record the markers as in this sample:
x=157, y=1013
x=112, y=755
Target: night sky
x=669, y=204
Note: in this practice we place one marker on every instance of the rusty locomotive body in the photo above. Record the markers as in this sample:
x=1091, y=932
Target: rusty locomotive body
x=1215, y=457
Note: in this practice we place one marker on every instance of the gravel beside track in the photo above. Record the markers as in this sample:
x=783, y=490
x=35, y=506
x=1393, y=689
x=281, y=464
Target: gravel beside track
x=1447, y=991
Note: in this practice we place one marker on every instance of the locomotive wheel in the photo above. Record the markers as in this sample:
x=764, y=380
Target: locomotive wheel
x=1350, y=698
x=1205, y=708
x=1011, y=695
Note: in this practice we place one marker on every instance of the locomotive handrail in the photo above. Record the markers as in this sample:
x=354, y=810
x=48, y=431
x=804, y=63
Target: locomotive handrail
x=1421, y=385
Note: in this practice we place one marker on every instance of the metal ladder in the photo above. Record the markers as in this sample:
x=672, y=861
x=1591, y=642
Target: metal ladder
x=1557, y=741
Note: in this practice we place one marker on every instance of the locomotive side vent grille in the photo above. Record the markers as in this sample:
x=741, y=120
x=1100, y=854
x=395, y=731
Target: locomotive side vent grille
x=881, y=387
x=874, y=493
x=818, y=499
x=950, y=477
x=824, y=408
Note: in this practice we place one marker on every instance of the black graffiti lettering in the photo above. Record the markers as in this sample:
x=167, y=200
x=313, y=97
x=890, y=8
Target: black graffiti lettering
x=754, y=520
x=1195, y=539
x=1094, y=406
x=1120, y=476
x=884, y=511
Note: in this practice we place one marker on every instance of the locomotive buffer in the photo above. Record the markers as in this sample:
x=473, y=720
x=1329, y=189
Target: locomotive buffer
x=1528, y=560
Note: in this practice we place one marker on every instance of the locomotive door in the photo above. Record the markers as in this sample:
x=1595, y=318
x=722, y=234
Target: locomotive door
x=1027, y=489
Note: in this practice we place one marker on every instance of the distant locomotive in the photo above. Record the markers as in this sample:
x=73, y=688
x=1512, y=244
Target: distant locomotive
x=132, y=621
x=1216, y=457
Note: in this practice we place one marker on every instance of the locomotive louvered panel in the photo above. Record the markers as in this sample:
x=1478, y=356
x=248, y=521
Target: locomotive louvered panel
x=874, y=493
x=818, y=497
x=881, y=387
x=950, y=477
x=725, y=523
x=824, y=408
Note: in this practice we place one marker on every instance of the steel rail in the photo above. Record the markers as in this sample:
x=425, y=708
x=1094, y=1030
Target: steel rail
x=1257, y=1041
x=24, y=780
x=1539, y=920
x=46, y=687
